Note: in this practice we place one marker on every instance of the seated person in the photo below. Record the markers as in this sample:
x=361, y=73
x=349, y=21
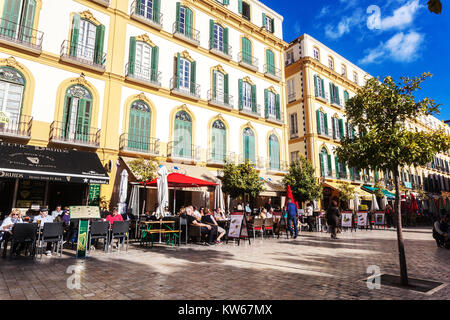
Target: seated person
x=6, y=229
x=114, y=216
x=440, y=232
x=167, y=213
x=198, y=214
x=205, y=228
x=128, y=215
x=219, y=215
x=209, y=219
x=42, y=219
x=270, y=214
x=263, y=214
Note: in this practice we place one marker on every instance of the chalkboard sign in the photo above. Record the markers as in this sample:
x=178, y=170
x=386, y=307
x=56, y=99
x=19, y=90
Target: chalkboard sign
x=84, y=212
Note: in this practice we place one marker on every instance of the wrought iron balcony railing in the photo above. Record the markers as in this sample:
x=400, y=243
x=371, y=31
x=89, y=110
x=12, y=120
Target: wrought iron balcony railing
x=272, y=72
x=179, y=151
x=248, y=61
x=220, y=99
x=186, y=33
x=16, y=127
x=219, y=158
x=323, y=96
x=85, y=56
x=145, y=14
x=18, y=35
x=277, y=166
x=79, y=135
x=220, y=49
x=185, y=88
x=142, y=74
x=105, y=3
x=249, y=110
x=138, y=144
x=292, y=97
x=275, y=118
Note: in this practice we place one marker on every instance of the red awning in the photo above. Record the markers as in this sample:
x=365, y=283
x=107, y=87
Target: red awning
x=177, y=180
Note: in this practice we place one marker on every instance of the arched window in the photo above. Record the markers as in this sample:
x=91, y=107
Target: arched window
x=12, y=86
x=183, y=135
x=139, y=126
x=18, y=19
x=325, y=163
x=274, y=152
x=77, y=113
x=219, y=142
x=249, y=145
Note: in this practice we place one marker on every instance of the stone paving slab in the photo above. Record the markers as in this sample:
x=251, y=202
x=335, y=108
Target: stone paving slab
x=310, y=267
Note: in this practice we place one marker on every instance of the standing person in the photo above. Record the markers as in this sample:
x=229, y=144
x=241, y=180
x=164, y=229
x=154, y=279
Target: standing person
x=440, y=232
x=247, y=208
x=309, y=214
x=6, y=228
x=57, y=212
x=292, y=214
x=333, y=215
x=389, y=213
x=268, y=205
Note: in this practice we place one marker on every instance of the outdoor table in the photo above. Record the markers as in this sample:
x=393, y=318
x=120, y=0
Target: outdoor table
x=170, y=225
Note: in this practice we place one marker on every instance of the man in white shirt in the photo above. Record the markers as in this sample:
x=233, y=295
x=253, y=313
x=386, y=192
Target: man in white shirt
x=43, y=218
x=57, y=212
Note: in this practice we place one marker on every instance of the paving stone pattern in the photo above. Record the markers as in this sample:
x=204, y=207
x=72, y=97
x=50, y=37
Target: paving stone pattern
x=310, y=267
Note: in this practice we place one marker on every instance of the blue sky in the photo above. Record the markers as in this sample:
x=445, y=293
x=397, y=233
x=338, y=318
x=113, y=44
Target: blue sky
x=383, y=37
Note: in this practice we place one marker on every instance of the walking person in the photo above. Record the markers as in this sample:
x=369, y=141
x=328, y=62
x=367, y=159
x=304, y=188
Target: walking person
x=389, y=213
x=309, y=214
x=333, y=215
x=440, y=232
x=292, y=215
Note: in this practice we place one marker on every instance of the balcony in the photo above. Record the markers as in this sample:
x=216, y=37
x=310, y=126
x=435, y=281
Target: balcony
x=183, y=153
x=248, y=61
x=326, y=134
x=292, y=97
x=337, y=103
x=272, y=72
x=324, y=97
x=216, y=159
x=139, y=145
x=140, y=74
x=277, y=167
x=83, y=56
x=146, y=15
x=220, y=99
x=250, y=112
x=190, y=35
x=274, y=119
x=220, y=50
x=75, y=135
x=104, y=3
x=185, y=88
x=16, y=128
x=21, y=37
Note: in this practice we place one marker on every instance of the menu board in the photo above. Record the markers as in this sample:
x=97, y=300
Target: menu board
x=362, y=219
x=84, y=212
x=238, y=226
x=347, y=219
x=94, y=195
x=30, y=192
x=379, y=219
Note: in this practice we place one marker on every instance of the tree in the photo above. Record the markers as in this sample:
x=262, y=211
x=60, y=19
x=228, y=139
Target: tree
x=304, y=184
x=435, y=6
x=144, y=170
x=242, y=179
x=380, y=111
x=346, y=193
x=378, y=193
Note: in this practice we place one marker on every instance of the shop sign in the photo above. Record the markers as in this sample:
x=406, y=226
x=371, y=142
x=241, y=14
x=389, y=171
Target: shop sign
x=4, y=118
x=408, y=185
x=94, y=195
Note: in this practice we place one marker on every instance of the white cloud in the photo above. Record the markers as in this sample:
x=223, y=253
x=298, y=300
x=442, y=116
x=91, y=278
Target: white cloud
x=344, y=25
x=401, y=48
x=297, y=27
x=402, y=17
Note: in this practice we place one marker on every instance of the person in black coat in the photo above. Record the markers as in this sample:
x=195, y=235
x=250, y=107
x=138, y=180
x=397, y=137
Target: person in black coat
x=333, y=215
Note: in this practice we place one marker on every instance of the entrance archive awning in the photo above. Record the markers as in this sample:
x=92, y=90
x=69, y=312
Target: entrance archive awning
x=19, y=161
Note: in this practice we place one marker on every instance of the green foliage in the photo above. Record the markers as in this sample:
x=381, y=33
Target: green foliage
x=238, y=180
x=435, y=6
x=380, y=110
x=347, y=191
x=304, y=184
x=378, y=192
x=144, y=170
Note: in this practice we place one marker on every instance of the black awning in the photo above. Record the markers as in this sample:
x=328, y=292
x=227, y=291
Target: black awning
x=50, y=164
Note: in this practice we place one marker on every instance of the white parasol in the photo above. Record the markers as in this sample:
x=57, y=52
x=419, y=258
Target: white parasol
x=163, y=191
x=374, y=206
x=218, y=197
x=123, y=190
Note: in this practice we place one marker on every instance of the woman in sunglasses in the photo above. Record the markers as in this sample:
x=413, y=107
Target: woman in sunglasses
x=7, y=226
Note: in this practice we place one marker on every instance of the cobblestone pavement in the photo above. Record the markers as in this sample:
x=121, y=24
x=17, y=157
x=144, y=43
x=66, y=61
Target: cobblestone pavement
x=311, y=267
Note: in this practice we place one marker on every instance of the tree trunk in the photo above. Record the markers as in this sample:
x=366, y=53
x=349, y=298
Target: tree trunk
x=401, y=244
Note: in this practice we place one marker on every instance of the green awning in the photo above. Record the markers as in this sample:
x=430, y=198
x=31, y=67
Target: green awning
x=385, y=192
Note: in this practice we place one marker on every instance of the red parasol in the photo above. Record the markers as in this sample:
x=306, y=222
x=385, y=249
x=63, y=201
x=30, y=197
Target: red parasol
x=413, y=206
x=177, y=180
x=291, y=196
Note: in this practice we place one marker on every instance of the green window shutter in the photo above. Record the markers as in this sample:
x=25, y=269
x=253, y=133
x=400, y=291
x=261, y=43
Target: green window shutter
x=225, y=40
x=270, y=62
x=273, y=25
x=178, y=16
x=254, y=102
x=336, y=162
x=338, y=100
x=67, y=111
x=277, y=106
x=75, y=34
x=333, y=126
x=316, y=85
x=214, y=84
x=318, y=122
x=252, y=149
x=322, y=164
x=189, y=23
x=346, y=97
x=226, y=2
x=323, y=88
x=132, y=56
x=157, y=11
x=247, y=51
x=155, y=63
x=178, y=77
x=241, y=85
x=240, y=6
x=11, y=13
x=352, y=174
x=266, y=102
x=28, y=20
x=193, y=77
x=211, y=34
x=341, y=128
x=226, y=89
x=138, y=7
x=325, y=119
x=329, y=165
x=264, y=20
x=99, y=42
x=344, y=170
x=331, y=93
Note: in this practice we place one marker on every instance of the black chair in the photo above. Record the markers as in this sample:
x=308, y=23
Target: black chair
x=283, y=227
x=99, y=230
x=25, y=233
x=120, y=231
x=72, y=233
x=52, y=233
x=184, y=228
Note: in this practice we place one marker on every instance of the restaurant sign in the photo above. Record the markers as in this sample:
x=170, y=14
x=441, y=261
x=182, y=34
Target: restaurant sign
x=4, y=118
x=84, y=212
